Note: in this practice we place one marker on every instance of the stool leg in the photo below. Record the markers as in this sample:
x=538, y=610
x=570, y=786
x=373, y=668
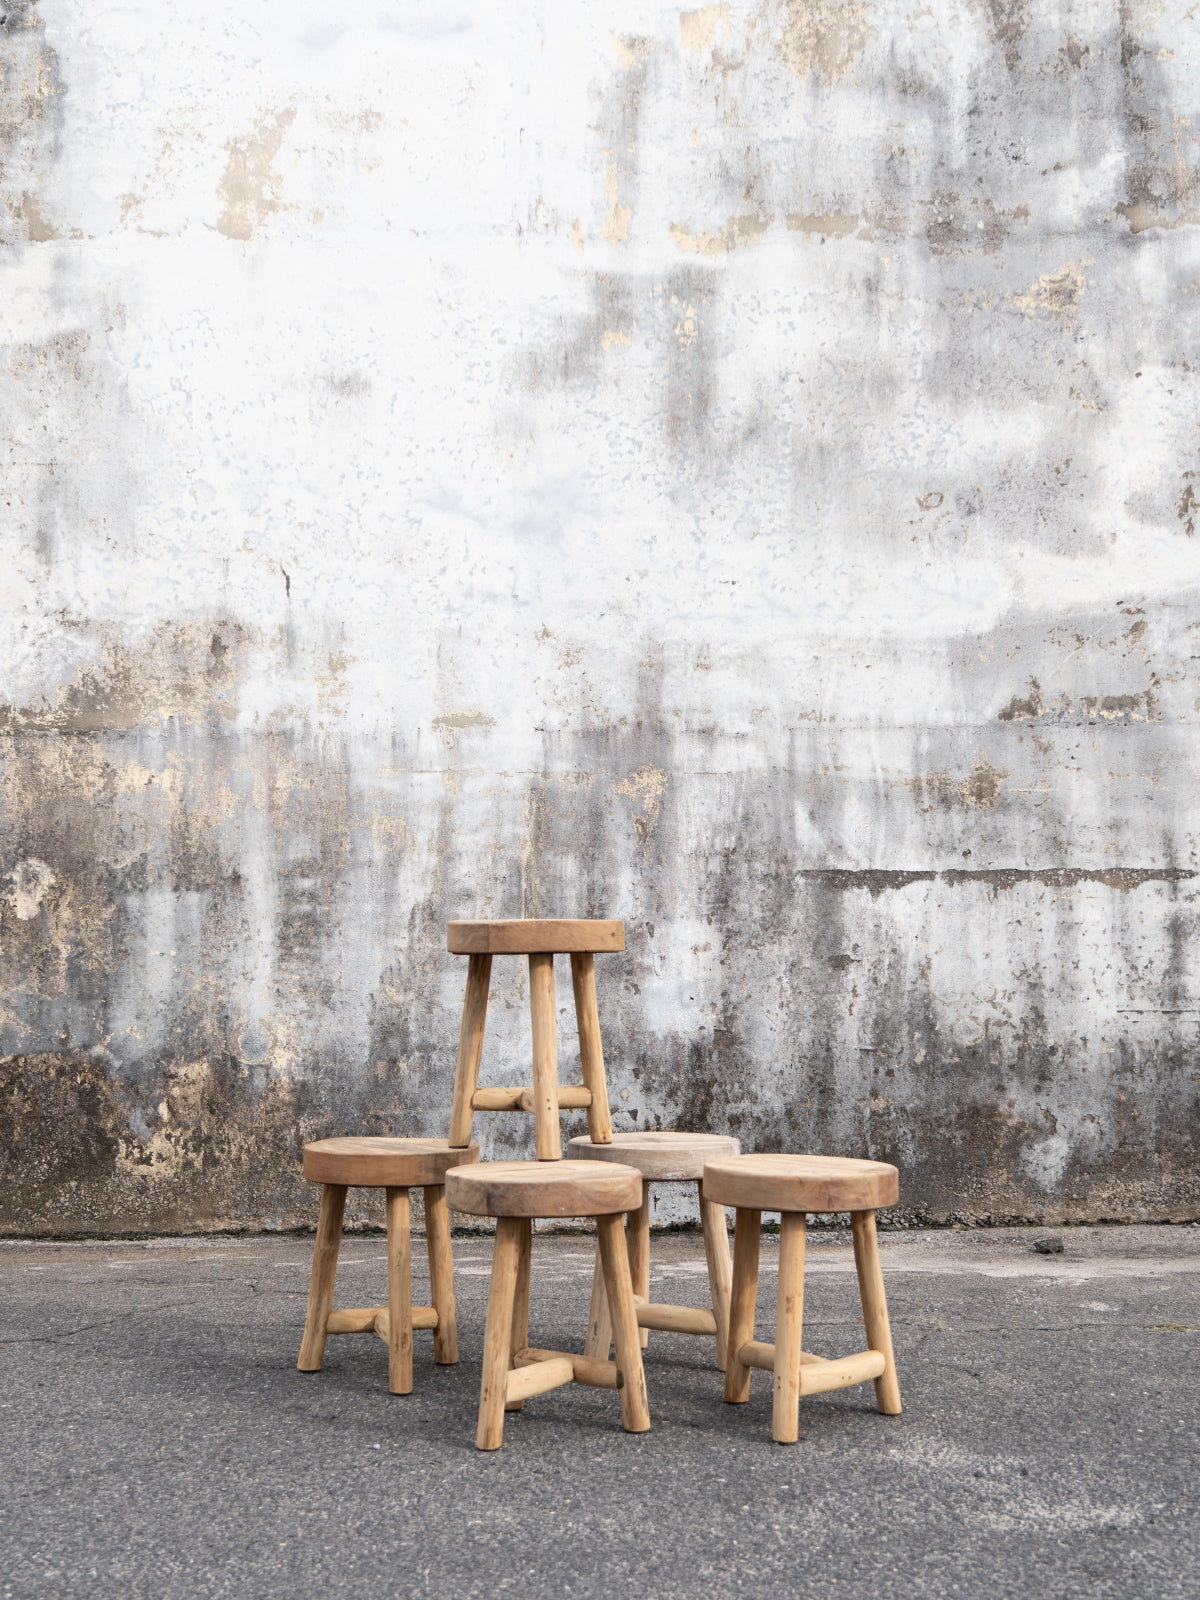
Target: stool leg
x=544, y=1021
x=591, y=1052
x=497, y=1339
x=637, y=1242
x=470, y=1048
x=520, y=1312
x=875, y=1312
x=599, y=1335
x=635, y=1408
x=720, y=1269
x=441, y=1275
x=789, y=1325
x=324, y=1267
x=399, y=1272
x=742, y=1297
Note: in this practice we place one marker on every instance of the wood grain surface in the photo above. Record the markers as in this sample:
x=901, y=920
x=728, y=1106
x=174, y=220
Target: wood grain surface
x=534, y=936
x=801, y=1183
x=543, y=1189
x=659, y=1157
x=378, y=1163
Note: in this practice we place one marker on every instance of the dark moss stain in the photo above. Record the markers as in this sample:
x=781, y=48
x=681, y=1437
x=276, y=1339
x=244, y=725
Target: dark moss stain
x=77, y=1152
x=1188, y=506
x=1162, y=182
x=181, y=670
x=31, y=115
x=1141, y=706
x=878, y=881
x=1019, y=709
x=875, y=880
x=1010, y=19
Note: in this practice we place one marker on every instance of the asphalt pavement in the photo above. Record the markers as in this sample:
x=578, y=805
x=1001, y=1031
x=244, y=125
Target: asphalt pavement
x=156, y=1439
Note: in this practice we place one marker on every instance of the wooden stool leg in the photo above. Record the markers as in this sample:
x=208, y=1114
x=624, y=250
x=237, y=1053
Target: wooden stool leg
x=637, y=1242
x=324, y=1268
x=497, y=1339
x=591, y=1052
x=742, y=1297
x=720, y=1268
x=545, y=1057
x=470, y=1048
x=520, y=1312
x=441, y=1275
x=635, y=1408
x=875, y=1313
x=789, y=1326
x=599, y=1334
x=399, y=1272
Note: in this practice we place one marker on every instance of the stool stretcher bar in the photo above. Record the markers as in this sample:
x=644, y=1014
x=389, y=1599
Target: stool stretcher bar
x=571, y=1097
x=818, y=1375
x=374, y=1319
x=584, y=1369
x=674, y=1319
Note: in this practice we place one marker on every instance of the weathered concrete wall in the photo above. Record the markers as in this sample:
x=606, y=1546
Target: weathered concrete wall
x=733, y=469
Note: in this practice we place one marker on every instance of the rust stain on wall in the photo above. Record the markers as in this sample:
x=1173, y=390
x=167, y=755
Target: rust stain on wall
x=251, y=187
x=825, y=37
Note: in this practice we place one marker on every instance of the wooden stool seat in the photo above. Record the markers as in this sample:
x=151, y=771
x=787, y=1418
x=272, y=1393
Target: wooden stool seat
x=543, y=1189
x=532, y=936
x=664, y=1157
x=514, y=1192
x=369, y=1163
x=801, y=1183
x=395, y=1165
x=660, y=1157
x=794, y=1185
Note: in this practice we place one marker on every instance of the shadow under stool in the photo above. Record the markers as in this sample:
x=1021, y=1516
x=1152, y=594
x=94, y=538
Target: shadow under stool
x=663, y=1157
x=515, y=1192
x=396, y=1165
x=793, y=1186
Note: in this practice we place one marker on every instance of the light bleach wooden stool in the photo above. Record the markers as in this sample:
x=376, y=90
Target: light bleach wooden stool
x=663, y=1158
x=793, y=1186
x=540, y=941
x=514, y=1192
x=396, y=1165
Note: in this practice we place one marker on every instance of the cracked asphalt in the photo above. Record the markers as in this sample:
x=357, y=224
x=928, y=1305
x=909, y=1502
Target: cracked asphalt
x=158, y=1441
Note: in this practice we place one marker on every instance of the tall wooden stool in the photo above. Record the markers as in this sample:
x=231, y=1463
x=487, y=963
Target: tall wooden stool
x=794, y=1185
x=541, y=941
x=396, y=1165
x=663, y=1158
x=514, y=1192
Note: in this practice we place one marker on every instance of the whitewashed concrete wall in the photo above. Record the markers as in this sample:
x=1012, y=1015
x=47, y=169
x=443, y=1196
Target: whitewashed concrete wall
x=734, y=469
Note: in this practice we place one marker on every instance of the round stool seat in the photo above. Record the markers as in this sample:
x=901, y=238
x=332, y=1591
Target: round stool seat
x=659, y=1157
x=543, y=1189
x=370, y=1163
x=801, y=1183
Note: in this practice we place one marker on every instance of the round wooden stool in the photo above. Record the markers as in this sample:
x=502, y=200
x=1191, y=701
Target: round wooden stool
x=396, y=1165
x=540, y=940
x=663, y=1158
x=794, y=1185
x=514, y=1192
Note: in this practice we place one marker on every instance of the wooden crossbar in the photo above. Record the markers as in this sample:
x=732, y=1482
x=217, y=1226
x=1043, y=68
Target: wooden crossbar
x=675, y=1319
x=819, y=1377
x=549, y=1372
x=757, y=1354
x=585, y=1369
x=571, y=1097
x=374, y=1319
x=818, y=1374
